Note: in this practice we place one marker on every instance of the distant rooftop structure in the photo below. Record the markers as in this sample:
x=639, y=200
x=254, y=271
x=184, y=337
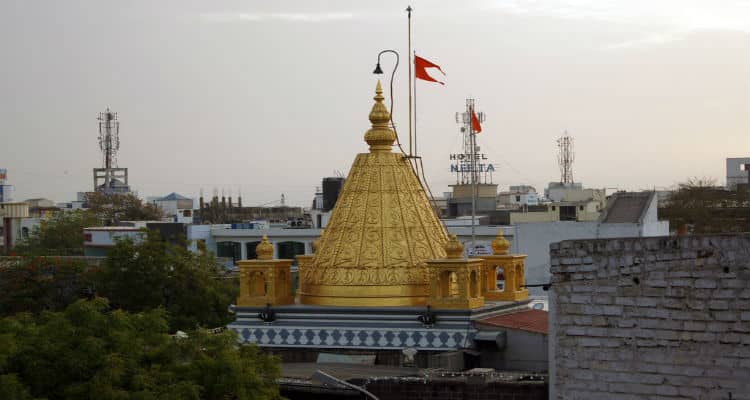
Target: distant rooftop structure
x=628, y=207
x=737, y=172
x=173, y=196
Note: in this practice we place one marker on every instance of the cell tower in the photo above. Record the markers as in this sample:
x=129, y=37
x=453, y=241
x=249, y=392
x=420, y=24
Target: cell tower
x=110, y=179
x=109, y=137
x=565, y=157
x=469, y=168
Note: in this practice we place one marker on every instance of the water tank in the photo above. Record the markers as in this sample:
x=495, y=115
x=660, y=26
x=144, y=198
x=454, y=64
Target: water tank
x=331, y=188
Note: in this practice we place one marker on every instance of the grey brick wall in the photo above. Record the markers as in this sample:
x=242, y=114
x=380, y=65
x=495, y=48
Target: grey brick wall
x=651, y=318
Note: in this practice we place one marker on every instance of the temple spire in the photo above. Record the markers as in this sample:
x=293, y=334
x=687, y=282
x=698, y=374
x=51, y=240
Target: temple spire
x=380, y=137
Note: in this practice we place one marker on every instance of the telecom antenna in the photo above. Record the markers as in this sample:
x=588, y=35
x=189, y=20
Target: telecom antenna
x=109, y=137
x=565, y=157
x=110, y=179
x=469, y=172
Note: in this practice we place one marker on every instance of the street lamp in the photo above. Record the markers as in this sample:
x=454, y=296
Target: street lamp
x=333, y=381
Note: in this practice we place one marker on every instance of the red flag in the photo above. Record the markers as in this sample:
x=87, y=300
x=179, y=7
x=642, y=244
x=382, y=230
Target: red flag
x=475, y=123
x=420, y=69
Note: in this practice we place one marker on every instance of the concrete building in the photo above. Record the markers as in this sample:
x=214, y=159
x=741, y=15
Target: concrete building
x=41, y=208
x=738, y=171
x=176, y=207
x=522, y=341
x=98, y=240
x=648, y=318
x=518, y=197
x=11, y=215
x=459, y=204
x=325, y=200
x=627, y=215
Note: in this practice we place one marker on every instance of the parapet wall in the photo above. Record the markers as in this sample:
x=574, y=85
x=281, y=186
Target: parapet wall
x=650, y=318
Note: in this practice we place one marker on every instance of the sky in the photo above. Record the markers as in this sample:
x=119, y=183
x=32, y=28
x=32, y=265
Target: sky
x=263, y=98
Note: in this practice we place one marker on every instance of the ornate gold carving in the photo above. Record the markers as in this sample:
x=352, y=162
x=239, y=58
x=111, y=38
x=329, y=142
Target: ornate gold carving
x=264, y=249
x=380, y=234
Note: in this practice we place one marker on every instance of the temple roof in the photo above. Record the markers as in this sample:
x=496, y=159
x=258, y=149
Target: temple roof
x=381, y=231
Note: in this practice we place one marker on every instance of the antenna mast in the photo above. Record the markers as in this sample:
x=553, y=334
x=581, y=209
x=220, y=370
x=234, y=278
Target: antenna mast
x=109, y=137
x=469, y=170
x=110, y=179
x=565, y=157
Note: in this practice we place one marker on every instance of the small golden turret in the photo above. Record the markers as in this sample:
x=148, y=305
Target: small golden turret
x=264, y=249
x=454, y=248
x=500, y=245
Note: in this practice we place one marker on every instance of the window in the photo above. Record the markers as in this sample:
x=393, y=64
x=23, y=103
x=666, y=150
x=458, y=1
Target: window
x=580, y=208
x=187, y=213
x=86, y=237
x=518, y=198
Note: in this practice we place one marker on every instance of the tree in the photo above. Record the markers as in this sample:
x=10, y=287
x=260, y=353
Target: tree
x=153, y=273
x=113, y=208
x=62, y=234
x=706, y=208
x=90, y=351
x=36, y=284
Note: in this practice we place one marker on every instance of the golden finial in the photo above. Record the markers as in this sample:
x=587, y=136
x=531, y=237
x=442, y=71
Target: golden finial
x=454, y=248
x=380, y=137
x=264, y=249
x=500, y=245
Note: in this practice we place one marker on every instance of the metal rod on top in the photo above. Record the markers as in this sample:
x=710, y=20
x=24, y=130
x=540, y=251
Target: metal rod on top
x=473, y=174
x=411, y=61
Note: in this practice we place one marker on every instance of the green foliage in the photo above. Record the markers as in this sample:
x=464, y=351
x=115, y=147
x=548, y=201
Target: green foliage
x=705, y=208
x=62, y=234
x=113, y=208
x=89, y=351
x=154, y=273
x=36, y=284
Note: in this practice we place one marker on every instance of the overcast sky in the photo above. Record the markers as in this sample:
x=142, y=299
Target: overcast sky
x=270, y=97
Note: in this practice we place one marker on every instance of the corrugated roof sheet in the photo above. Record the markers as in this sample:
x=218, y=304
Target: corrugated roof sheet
x=527, y=320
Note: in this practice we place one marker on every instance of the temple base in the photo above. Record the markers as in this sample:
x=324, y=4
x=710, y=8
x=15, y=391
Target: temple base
x=305, y=326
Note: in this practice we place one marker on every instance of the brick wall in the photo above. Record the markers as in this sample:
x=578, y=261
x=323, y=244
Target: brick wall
x=650, y=318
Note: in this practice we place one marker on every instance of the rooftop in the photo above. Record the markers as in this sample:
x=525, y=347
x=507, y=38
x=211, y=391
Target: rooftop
x=628, y=207
x=173, y=196
x=529, y=320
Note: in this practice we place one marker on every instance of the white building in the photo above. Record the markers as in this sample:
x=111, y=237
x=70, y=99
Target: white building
x=176, y=208
x=627, y=215
x=518, y=196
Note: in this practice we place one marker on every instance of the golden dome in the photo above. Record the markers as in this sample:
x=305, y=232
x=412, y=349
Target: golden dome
x=381, y=232
x=454, y=248
x=500, y=245
x=264, y=249
x=380, y=137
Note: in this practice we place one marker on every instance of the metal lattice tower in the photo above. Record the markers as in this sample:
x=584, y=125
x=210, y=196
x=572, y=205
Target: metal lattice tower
x=471, y=174
x=565, y=157
x=109, y=137
x=110, y=179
